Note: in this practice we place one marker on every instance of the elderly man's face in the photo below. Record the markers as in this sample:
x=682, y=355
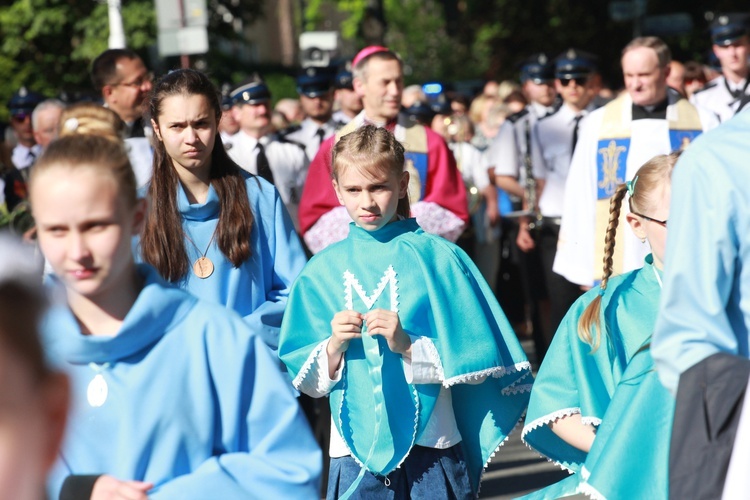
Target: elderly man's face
x=46, y=125
x=645, y=81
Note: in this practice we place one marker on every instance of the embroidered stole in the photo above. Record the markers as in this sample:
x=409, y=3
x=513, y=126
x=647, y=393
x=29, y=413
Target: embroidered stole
x=611, y=165
x=414, y=139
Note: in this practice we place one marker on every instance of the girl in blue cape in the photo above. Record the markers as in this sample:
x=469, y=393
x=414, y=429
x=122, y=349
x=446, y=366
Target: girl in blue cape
x=425, y=375
x=597, y=407
x=213, y=229
x=172, y=397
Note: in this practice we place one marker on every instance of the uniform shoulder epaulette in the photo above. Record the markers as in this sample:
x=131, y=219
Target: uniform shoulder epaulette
x=289, y=130
x=517, y=116
x=707, y=86
x=279, y=137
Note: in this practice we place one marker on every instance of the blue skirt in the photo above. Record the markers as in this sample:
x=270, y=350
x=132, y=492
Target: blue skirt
x=427, y=473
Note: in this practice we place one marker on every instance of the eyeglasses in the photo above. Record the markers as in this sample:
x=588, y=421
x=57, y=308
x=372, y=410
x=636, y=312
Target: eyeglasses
x=136, y=84
x=662, y=223
x=580, y=81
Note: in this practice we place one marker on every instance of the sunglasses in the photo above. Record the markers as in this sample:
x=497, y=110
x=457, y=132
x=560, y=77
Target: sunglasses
x=580, y=81
x=19, y=117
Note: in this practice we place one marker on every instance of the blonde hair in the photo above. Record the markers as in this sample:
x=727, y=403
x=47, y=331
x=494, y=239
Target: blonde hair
x=90, y=151
x=654, y=175
x=91, y=119
x=374, y=149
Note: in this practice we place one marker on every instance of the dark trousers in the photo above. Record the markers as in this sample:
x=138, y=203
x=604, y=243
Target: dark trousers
x=521, y=283
x=562, y=293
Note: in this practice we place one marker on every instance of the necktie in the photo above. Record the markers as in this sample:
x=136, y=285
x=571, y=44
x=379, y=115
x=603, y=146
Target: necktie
x=577, y=120
x=320, y=133
x=261, y=162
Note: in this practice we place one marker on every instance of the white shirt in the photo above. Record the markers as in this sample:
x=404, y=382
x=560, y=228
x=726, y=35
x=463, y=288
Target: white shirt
x=141, y=159
x=716, y=97
x=341, y=118
x=552, y=151
x=307, y=135
x=507, y=152
x=287, y=161
x=23, y=157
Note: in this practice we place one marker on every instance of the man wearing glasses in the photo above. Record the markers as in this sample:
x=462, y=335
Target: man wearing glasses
x=124, y=82
x=553, y=142
x=614, y=141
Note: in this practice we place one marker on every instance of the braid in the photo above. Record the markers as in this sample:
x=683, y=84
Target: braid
x=589, y=326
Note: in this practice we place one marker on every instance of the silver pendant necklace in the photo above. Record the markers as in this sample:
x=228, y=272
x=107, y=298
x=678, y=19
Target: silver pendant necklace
x=97, y=391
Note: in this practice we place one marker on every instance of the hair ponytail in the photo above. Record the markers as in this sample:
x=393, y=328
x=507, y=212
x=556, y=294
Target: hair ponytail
x=590, y=324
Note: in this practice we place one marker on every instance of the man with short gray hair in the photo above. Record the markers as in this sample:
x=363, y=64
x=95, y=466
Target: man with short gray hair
x=45, y=121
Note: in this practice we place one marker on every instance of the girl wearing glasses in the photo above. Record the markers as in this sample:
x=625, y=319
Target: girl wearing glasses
x=597, y=380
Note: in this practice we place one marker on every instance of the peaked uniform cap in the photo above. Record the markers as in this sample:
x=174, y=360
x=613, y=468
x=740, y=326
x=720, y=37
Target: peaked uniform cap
x=728, y=28
x=538, y=68
x=253, y=92
x=574, y=63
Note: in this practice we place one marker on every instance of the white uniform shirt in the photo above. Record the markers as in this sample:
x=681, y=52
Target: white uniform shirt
x=307, y=135
x=341, y=118
x=575, y=249
x=552, y=152
x=471, y=163
x=23, y=157
x=716, y=97
x=287, y=161
x=507, y=152
x=141, y=159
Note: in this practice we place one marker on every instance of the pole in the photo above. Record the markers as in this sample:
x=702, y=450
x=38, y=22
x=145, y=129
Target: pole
x=116, y=30
x=184, y=58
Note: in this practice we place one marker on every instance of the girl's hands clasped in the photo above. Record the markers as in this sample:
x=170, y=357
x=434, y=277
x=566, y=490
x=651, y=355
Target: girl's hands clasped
x=347, y=325
x=388, y=325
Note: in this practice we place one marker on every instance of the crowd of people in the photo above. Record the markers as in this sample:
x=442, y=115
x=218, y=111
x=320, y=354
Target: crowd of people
x=247, y=301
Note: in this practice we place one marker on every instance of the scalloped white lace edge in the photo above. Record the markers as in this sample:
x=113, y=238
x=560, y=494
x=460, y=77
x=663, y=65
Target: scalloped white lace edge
x=550, y=417
x=297, y=382
x=492, y=455
x=566, y=412
x=560, y=465
x=591, y=492
x=591, y=420
x=496, y=372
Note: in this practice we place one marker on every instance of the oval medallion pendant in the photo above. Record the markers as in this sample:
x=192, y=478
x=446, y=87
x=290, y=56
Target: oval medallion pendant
x=203, y=267
x=97, y=391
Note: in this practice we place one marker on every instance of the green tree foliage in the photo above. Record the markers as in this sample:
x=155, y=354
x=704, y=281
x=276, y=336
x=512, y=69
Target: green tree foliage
x=48, y=45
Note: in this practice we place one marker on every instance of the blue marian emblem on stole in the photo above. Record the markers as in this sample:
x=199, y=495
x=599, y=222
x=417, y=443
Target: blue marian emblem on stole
x=417, y=162
x=611, y=159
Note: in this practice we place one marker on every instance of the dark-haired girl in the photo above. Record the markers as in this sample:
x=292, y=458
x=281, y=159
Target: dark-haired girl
x=220, y=233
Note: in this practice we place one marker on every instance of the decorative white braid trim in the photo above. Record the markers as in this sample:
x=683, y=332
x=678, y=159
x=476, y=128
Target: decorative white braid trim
x=566, y=469
x=516, y=389
x=351, y=282
x=596, y=422
x=585, y=473
x=551, y=417
x=492, y=455
x=590, y=491
x=497, y=372
x=297, y=382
